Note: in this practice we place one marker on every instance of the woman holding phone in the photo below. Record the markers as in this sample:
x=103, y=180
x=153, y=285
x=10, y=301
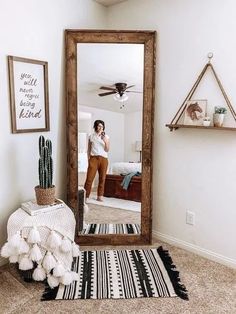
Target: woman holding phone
x=98, y=147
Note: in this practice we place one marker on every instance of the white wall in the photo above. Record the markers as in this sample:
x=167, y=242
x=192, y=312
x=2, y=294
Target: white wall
x=85, y=125
x=193, y=169
x=133, y=133
x=114, y=127
x=35, y=29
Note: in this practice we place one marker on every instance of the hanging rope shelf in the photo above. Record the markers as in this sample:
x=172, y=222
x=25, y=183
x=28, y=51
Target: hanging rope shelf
x=175, y=124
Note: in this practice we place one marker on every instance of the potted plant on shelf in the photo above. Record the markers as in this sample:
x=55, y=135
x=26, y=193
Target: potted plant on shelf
x=45, y=191
x=218, y=116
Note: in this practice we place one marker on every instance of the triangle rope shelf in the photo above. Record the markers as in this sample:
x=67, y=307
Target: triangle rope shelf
x=174, y=123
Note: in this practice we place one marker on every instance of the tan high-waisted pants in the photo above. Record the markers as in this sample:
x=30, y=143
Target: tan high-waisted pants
x=96, y=163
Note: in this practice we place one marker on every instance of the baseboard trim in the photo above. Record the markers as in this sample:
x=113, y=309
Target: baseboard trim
x=195, y=249
x=3, y=261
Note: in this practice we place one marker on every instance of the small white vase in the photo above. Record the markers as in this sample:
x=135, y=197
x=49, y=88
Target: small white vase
x=218, y=119
x=206, y=122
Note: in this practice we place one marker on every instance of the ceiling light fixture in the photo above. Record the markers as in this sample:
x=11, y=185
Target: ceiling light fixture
x=121, y=98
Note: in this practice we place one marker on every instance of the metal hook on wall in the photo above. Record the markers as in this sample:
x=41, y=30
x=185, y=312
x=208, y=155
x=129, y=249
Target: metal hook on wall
x=210, y=56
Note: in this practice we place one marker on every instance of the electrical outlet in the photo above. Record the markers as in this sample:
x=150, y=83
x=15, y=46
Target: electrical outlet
x=190, y=218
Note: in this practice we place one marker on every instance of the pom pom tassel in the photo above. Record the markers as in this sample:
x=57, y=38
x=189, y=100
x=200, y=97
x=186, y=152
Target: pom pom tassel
x=25, y=263
x=53, y=241
x=59, y=270
x=7, y=250
x=13, y=259
x=15, y=240
x=34, y=236
x=67, y=278
x=65, y=245
x=23, y=247
x=53, y=281
x=39, y=273
x=35, y=253
x=49, y=261
x=75, y=250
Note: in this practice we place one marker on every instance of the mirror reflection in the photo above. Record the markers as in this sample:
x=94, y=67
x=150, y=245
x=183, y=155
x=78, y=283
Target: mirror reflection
x=110, y=110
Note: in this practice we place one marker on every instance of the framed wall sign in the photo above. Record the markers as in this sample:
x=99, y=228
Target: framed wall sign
x=28, y=95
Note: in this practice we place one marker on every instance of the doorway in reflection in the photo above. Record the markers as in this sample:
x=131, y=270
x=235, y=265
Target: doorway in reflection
x=100, y=67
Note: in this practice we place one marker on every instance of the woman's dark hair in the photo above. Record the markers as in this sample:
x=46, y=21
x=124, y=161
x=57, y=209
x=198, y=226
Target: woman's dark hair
x=96, y=123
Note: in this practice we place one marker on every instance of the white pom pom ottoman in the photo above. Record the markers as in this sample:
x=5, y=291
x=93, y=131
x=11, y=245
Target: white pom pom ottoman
x=44, y=244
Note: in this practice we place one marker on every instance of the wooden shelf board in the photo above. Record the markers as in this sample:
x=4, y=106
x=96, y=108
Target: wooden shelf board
x=177, y=126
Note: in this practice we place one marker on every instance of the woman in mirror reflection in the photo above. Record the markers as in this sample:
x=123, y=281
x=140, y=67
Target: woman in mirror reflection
x=98, y=147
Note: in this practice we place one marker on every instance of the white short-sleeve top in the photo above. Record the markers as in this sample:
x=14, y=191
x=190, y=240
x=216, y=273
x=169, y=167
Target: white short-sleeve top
x=97, y=145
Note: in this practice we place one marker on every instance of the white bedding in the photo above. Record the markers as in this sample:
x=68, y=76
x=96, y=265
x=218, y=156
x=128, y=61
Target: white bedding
x=125, y=167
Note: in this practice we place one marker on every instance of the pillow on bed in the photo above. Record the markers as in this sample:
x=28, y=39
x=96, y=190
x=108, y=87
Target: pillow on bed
x=125, y=167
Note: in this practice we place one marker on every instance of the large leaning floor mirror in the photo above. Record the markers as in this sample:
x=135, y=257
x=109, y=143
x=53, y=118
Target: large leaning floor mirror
x=110, y=107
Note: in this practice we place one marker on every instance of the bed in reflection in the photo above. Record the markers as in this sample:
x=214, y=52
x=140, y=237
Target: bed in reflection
x=124, y=181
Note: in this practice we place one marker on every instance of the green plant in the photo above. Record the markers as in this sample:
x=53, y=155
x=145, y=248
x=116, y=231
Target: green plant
x=45, y=163
x=220, y=110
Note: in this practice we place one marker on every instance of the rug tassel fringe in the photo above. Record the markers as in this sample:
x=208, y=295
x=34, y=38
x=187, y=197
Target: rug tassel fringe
x=49, y=293
x=179, y=288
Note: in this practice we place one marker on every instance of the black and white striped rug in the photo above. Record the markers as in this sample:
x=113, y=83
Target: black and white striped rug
x=111, y=229
x=121, y=274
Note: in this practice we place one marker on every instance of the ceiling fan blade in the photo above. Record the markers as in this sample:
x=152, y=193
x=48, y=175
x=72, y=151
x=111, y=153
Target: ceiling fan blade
x=129, y=86
x=133, y=91
x=108, y=93
x=107, y=88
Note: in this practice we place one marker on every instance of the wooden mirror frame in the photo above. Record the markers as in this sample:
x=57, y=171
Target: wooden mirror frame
x=148, y=38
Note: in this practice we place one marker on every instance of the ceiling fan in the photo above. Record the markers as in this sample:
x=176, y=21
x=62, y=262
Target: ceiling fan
x=119, y=88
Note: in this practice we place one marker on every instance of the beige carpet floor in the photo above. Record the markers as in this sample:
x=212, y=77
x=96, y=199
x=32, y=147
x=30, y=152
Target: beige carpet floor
x=103, y=214
x=115, y=203
x=211, y=288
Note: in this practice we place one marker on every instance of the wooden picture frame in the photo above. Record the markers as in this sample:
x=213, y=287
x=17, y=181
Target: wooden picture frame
x=28, y=82
x=148, y=39
x=195, y=111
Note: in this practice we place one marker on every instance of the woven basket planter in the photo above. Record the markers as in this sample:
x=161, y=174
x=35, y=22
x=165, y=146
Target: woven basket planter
x=45, y=196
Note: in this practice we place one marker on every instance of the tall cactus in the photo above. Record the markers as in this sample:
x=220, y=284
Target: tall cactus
x=45, y=163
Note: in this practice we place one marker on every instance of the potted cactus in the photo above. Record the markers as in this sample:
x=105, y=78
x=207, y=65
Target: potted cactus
x=45, y=191
x=218, y=116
